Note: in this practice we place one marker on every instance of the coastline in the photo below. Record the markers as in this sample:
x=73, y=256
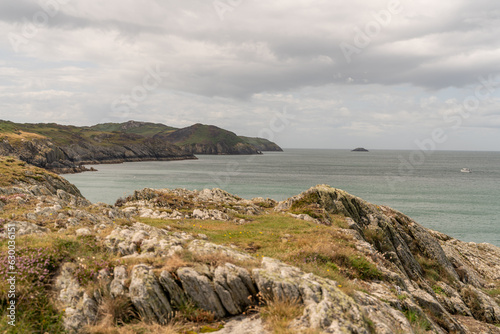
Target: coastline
x=333, y=256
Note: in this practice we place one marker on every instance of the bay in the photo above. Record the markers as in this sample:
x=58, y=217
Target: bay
x=428, y=187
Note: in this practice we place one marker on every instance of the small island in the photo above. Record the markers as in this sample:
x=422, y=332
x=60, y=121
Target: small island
x=360, y=149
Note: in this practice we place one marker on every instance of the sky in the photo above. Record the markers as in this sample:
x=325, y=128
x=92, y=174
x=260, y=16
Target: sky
x=397, y=74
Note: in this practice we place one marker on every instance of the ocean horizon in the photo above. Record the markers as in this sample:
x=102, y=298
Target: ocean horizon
x=428, y=187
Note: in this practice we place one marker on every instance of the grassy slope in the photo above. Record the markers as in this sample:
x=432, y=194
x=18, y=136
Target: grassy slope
x=255, y=141
x=13, y=171
x=203, y=134
x=67, y=135
x=123, y=133
x=145, y=129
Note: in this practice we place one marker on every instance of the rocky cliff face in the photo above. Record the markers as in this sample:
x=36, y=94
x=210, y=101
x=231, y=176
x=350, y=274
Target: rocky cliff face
x=262, y=144
x=193, y=258
x=220, y=148
x=42, y=152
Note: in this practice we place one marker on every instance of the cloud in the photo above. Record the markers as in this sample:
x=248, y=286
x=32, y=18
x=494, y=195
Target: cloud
x=238, y=67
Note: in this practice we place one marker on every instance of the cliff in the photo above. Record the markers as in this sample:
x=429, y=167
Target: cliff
x=65, y=149
x=262, y=144
x=208, y=139
x=181, y=261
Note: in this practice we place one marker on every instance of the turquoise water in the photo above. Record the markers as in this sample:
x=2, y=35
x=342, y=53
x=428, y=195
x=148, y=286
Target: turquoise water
x=432, y=190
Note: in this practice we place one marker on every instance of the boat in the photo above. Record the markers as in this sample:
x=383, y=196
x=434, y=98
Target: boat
x=466, y=170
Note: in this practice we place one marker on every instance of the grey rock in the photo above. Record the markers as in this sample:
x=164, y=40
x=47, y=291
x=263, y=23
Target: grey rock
x=385, y=318
x=327, y=308
x=147, y=295
x=428, y=302
x=235, y=288
x=452, y=301
x=80, y=309
x=200, y=290
x=25, y=228
x=176, y=295
x=482, y=306
x=117, y=285
x=208, y=248
x=83, y=232
x=244, y=325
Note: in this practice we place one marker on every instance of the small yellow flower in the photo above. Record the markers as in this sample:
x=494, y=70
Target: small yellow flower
x=340, y=285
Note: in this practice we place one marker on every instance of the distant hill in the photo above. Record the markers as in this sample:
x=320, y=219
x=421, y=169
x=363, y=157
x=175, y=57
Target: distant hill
x=141, y=128
x=209, y=139
x=64, y=148
x=262, y=144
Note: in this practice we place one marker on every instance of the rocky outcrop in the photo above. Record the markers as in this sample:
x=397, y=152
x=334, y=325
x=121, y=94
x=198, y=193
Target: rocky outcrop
x=70, y=158
x=147, y=295
x=80, y=309
x=326, y=307
x=65, y=149
x=424, y=281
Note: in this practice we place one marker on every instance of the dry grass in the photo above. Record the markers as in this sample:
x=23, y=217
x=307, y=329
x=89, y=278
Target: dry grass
x=174, y=262
x=278, y=314
x=323, y=250
x=115, y=311
x=139, y=328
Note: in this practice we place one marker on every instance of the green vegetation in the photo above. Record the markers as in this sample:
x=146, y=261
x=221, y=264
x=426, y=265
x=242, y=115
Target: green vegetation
x=433, y=271
x=203, y=134
x=419, y=323
x=36, y=266
x=260, y=143
x=139, y=128
x=14, y=171
x=331, y=255
x=128, y=133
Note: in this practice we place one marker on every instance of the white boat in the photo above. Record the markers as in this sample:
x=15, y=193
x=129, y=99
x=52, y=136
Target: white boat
x=466, y=170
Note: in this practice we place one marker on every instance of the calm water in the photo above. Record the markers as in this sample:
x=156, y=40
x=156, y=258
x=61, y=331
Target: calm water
x=434, y=192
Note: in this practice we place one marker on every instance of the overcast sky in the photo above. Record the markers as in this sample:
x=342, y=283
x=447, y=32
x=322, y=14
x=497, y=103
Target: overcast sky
x=305, y=73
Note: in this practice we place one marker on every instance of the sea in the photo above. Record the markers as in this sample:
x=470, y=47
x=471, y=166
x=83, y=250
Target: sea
x=428, y=186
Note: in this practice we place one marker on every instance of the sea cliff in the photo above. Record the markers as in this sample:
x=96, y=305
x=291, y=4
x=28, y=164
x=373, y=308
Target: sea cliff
x=66, y=149
x=181, y=261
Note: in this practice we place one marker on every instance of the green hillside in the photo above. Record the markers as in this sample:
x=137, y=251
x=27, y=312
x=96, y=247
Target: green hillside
x=202, y=134
x=59, y=147
x=140, y=128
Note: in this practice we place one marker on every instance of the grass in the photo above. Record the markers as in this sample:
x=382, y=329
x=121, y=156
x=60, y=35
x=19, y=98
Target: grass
x=433, y=271
x=14, y=171
x=257, y=142
x=36, y=267
x=419, y=323
x=145, y=129
x=322, y=250
x=493, y=292
x=209, y=134
x=136, y=328
x=279, y=313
